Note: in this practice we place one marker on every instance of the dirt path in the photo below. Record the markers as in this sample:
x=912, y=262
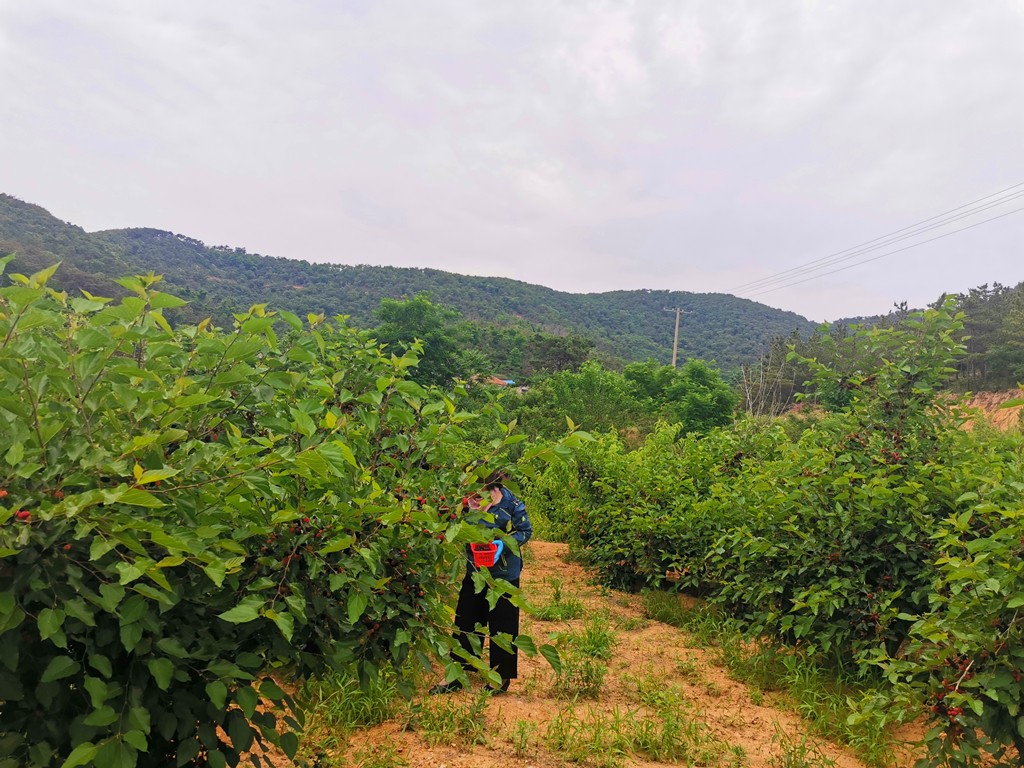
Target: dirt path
x=750, y=734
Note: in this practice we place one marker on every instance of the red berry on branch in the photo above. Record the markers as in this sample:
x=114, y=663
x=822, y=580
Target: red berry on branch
x=305, y=520
x=3, y=493
x=23, y=514
x=67, y=547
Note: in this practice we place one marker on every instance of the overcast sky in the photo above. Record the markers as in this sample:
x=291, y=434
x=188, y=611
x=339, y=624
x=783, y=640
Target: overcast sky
x=585, y=146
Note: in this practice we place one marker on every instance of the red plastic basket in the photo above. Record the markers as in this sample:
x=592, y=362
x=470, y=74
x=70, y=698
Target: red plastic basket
x=486, y=555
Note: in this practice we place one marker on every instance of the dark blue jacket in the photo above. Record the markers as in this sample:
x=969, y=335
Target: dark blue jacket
x=510, y=517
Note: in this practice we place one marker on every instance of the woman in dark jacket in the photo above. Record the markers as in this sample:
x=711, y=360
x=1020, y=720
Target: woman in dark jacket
x=501, y=512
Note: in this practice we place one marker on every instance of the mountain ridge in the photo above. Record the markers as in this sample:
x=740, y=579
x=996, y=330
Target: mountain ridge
x=218, y=280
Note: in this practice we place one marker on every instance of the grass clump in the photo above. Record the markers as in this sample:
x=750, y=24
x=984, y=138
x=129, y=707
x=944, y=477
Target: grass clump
x=379, y=756
x=337, y=705
x=580, y=677
x=605, y=739
x=703, y=621
x=520, y=737
x=596, y=639
x=560, y=607
x=800, y=753
x=450, y=720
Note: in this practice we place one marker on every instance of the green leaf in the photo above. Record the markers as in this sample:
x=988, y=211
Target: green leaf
x=245, y=611
x=172, y=647
x=526, y=645
x=99, y=547
x=40, y=278
x=297, y=605
x=550, y=653
x=80, y=755
x=136, y=739
x=101, y=717
x=292, y=319
x=59, y=668
x=116, y=754
x=286, y=623
x=97, y=690
x=133, y=609
x=111, y=596
x=49, y=622
x=165, y=301
x=101, y=664
x=247, y=699
x=271, y=690
x=162, y=670
x=218, y=693
x=356, y=605
x=136, y=497
x=191, y=401
x=15, y=454
x=303, y=423
x=216, y=571
x=290, y=744
x=240, y=732
x=337, y=544
x=156, y=475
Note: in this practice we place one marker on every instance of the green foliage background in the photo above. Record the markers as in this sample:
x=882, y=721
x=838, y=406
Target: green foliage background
x=881, y=538
x=191, y=516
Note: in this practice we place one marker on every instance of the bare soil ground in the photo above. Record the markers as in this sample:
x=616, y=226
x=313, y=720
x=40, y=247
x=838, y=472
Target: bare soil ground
x=643, y=648
x=991, y=406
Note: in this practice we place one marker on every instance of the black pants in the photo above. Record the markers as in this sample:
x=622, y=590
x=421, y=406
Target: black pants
x=472, y=609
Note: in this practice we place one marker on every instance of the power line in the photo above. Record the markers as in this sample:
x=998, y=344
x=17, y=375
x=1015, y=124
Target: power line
x=797, y=271
x=767, y=283
x=889, y=253
x=826, y=260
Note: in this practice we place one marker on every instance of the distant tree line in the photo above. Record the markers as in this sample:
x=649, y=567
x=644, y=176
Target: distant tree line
x=623, y=326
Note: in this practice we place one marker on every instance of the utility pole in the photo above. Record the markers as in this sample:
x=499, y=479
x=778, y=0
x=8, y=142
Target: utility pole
x=675, y=339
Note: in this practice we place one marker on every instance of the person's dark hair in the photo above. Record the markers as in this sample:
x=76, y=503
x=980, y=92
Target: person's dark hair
x=496, y=479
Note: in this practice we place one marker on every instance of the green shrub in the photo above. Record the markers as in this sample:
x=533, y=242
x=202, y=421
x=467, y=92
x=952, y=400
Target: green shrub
x=186, y=515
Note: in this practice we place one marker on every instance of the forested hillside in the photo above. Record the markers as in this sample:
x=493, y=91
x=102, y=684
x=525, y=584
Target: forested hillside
x=628, y=325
